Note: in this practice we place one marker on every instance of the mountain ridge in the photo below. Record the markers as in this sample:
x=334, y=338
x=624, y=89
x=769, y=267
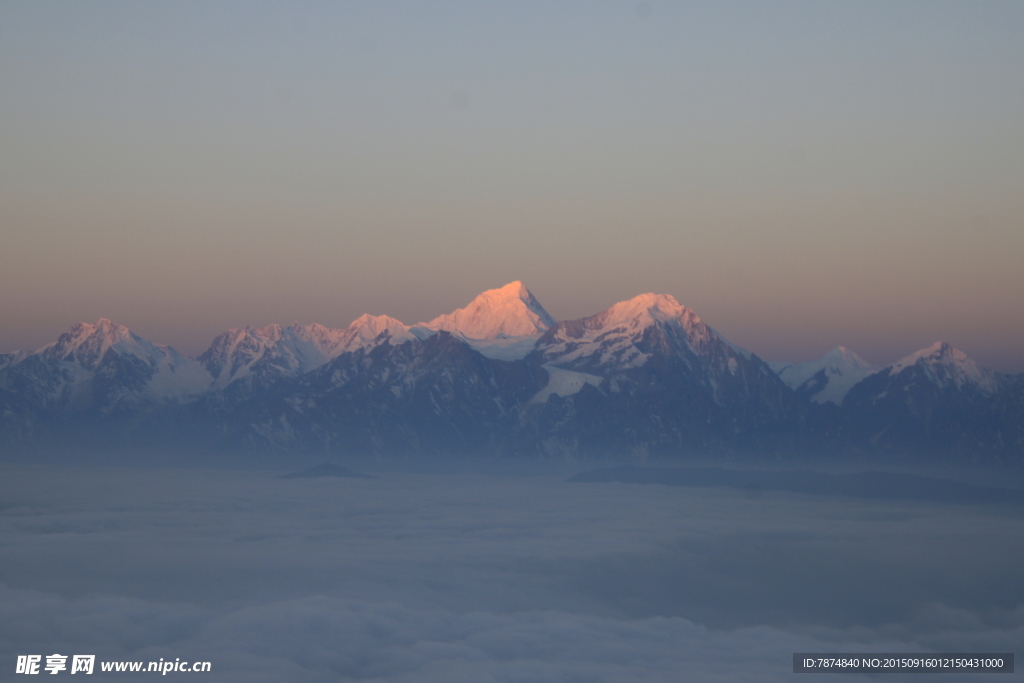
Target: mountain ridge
x=646, y=376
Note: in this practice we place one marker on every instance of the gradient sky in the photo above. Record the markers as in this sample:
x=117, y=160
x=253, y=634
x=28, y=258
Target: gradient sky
x=802, y=175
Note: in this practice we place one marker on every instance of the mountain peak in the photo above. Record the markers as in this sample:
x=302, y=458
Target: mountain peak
x=367, y=328
x=87, y=342
x=516, y=288
x=509, y=311
x=649, y=307
x=841, y=354
x=827, y=379
x=938, y=353
x=618, y=336
x=103, y=327
x=656, y=300
x=947, y=365
x=637, y=314
x=108, y=324
x=380, y=322
x=641, y=312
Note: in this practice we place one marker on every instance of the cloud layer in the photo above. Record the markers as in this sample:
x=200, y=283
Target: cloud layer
x=418, y=577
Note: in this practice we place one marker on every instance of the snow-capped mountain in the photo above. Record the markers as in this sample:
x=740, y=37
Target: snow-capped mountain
x=502, y=323
x=368, y=331
x=273, y=351
x=103, y=366
x=429, y=396
x=86, y=344
x=649, y=375
x=933, y=400
x=630, y=333
x=239, y=353
x=112, y=352
x=947, y=368
x=827, y=379
x=615, y=337
x=509, y=311
x=646, y=378
x=935, y=371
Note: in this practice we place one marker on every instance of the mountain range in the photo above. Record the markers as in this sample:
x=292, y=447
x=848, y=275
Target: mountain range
x=501, y=377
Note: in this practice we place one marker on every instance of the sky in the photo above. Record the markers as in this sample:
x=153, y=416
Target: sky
x=413, y=577
x=803, y=175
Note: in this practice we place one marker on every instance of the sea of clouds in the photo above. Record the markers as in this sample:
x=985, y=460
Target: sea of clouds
x=483, y=577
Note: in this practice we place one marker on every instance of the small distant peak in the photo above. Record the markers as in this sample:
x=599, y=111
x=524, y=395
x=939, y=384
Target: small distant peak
x=845, y=355
x=939, y=353
x=366, y=318
x=948, y=365
x=375, y=322
x=367, y=329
